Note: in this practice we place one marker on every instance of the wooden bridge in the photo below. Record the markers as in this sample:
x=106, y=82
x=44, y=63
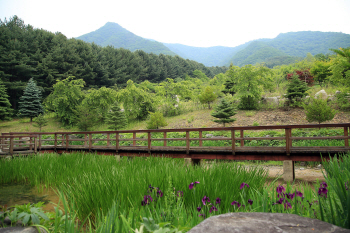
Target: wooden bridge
x=190, y=143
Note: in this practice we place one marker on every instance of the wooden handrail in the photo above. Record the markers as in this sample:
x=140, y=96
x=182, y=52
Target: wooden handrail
x=88, y=141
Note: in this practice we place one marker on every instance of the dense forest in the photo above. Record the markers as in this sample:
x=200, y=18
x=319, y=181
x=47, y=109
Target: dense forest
x=27, y=53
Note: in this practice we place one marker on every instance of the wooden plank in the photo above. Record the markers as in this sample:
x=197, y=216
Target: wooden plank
x=117, y=142
x=134, y=138
x=149, y=142
x=200, y=138
x=346, y=134
x=67, y=141
x=85, y=142
x=39, y=141
x=55, y=140
x=90, y=141
x=164, y=136
x=30, y=143
x=287, y=133
x=187, y=142
x=233, y=141
x=320, y=138
x=35, y=145
x=108, y=138
x=11, y=145
x=62, y=143
x=242, y=136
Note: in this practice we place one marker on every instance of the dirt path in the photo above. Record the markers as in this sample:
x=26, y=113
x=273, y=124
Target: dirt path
x=301, y=173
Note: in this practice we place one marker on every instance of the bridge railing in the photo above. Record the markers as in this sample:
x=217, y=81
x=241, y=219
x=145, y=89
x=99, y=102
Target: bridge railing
x=185, y=140
x=18, y=144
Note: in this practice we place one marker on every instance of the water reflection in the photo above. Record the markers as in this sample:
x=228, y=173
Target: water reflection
x=18, y=194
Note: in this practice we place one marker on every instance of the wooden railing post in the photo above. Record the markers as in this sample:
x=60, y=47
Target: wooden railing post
x=108, y=138
x=134, y=137
x=11, y=145
x=30, y=143
x=200, y=138
x=90, y=141
x=55, y=141
x=35, y=146
x=346, y=133
x=149, y=142
x=165, y=142
x=187, y=142
x=288, y=144
x=233, y=138
x=242, y=136
x=85, y=138
x=116, y=142
x=39, y=141
x=67, y=141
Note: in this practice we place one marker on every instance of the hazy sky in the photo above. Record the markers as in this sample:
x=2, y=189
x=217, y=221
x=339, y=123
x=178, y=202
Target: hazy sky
x=190, y=22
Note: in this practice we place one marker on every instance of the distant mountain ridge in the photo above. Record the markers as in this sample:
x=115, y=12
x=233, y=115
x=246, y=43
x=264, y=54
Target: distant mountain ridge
x=284, y=49
x=115, y=35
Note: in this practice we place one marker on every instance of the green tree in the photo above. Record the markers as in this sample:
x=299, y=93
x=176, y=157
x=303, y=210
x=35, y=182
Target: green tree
x=296, y=89
x=249, y=84
x=65, y=98
x=341, y=67
x=116, y=119
x=5, y=106
x=224, y=111
x=318, y=110
x=156, y=120
x=30, y=103
x=321, y=71
x=40, y=121
x=207, y=96
x=137, y=102
x=85, y=117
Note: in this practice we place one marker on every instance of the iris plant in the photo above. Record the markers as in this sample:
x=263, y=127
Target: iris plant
x=193, y=185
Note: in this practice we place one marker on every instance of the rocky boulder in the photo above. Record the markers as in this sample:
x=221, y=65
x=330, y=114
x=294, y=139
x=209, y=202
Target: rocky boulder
x=263, y=222
x=321, y=94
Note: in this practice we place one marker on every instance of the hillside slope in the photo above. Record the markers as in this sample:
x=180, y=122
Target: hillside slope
x=115, y=35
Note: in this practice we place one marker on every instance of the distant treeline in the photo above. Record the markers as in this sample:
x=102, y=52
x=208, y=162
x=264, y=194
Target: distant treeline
x=26, y=52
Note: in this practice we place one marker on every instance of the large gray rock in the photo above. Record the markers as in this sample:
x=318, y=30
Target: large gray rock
x=321, y=94
x=21, y=230
x=264, y=222
x=271, y=100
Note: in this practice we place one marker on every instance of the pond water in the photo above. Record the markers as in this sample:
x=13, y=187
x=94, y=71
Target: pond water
x=19, y=194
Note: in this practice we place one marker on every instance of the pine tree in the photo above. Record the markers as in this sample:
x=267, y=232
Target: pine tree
x=5, y=106
x=296, y=88
x=223, y=112
x=30, y=102
x=318, y=110
x=116, y=119
x=40, y=121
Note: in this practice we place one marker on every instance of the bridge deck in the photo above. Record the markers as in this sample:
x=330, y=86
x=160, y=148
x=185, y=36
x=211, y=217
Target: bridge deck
x=19, y=143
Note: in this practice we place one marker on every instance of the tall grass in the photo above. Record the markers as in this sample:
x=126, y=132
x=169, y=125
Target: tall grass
x=94, y=182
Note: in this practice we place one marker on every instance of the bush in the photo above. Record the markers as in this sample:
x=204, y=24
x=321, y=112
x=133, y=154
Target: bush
x=343, y=101
x=156, y=120
x=318, y=110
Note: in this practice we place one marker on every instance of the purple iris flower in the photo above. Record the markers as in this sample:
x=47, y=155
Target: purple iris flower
x=202, y=215
x=287, y=205
x=250, y=202
x=159, y=193
x=199, y=209
x=218, y=200
x=213, y=208
x=280, y=201
x=205, y=199
x=146, y=200
x=290, y=196
x=236, y=203
x=300, y=194
x=323, y=192
x=244, y=185
x=180, y=193
x=280, y=189
x=323, y=185
x=193, y=185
